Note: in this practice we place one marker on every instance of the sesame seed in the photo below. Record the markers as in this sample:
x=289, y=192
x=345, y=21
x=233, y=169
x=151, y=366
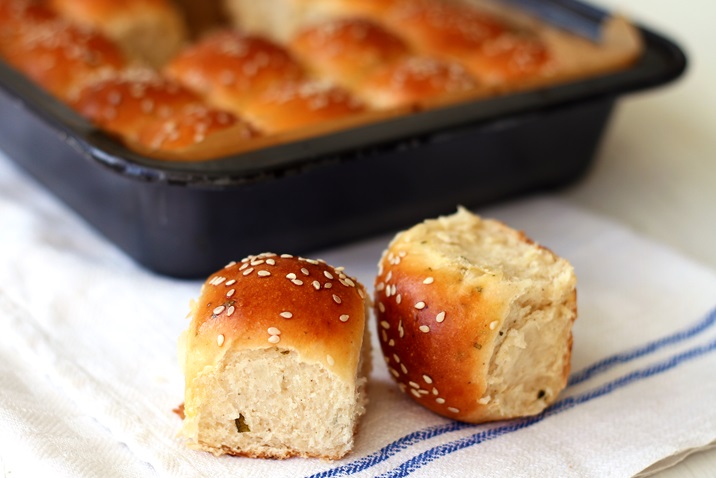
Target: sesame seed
x=316, y=285
x=230, y=311
x=328, y=275
x=271, y=262
x=403, y=368
x=230, y=293
x=290, y=276
x=274, y=339
x=453, y=409
x=384, y=335
x=360, y=293
x=385, y=324
x=344, y=318
x=423, y=392
x=286, y=256
x=339, y=269
x=427, y=379
x=230, y=283
x=220, y=340
x=330, y=360
x=312, y=261
x=217, y=280
x=415, y=393
x=257, y=263
x=440, y=400
x=414, y=385
x=401, y=330
x=395, y=373
x=435, y=391
x=327, y=285
x=391, y=343
x=248, y=271
x=389, y=276
x=381, y=307
x=396, y=358
x=304, y=271
x=273, y=331
x=428, y=280
x=398, y=298
x=286, y=314
x=246, y=259
x=440, y=317
x=424, y=329
x=297, y=282
x=230, y=264
x=244, y=266
x=420, y=305
x=493, y=325
x=395, y=289
x=263, y=273
x=336, y=299
x=386, y=358
x=380, y=286
x=219, y=310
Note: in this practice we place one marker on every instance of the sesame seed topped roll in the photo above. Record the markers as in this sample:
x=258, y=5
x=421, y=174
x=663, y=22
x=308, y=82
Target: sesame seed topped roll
x=149, y=31
x=275, y=359
x=414, y=80
x=125, y=103
x=475, y=319
x=346, y=50
x=191, y=126
x=61, y=57
x=300, y=104
x=229, y=68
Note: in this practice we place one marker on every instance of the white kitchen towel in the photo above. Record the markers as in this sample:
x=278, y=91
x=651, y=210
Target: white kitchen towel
x=100, y=333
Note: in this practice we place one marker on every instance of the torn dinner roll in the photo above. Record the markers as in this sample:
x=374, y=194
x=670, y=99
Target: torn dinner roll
x=475, y=318
x=276, y=360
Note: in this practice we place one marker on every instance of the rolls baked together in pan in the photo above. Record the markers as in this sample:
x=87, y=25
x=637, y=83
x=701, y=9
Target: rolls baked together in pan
x=282, y=69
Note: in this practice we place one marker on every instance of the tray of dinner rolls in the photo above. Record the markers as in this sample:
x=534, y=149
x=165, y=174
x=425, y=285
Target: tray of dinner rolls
x=189, y=132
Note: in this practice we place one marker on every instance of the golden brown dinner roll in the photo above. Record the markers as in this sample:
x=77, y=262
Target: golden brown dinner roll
x=414, y=80
x=276, y=359
x=61, y=57
x=475, y=318
x=490, y=48
x=299, y=104
x=150, y=31
x=347, y=50
x=228, y=68
x=191, y=126
x=125, y=103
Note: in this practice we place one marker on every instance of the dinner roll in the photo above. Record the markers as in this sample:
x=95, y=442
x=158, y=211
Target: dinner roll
x=489, y=47
x=59, y=56
x=415, y=80
x=276, y=359
x=191, y=126
x=299, y=104
x=150, y=31
x=475, y=318
x=127, y=102
x=346, y=50
x=229, y=68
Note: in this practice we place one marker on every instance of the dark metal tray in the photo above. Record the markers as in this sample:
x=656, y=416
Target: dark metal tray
x=188, y=219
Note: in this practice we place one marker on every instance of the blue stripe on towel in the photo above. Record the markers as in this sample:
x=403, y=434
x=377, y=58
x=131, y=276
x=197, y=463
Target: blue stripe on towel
x=602, y=366
x=434, y=453
x=624, y=357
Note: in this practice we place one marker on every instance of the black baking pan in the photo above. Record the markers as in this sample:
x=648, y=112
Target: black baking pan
x=188, y=219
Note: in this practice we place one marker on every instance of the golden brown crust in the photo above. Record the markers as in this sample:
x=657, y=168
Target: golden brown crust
x=346, y=50
x=229, y=68
x=295, y=105
x=192, y=126
x=127, y=102
x=269, y=301
x=61, y=57
x=415, y=81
